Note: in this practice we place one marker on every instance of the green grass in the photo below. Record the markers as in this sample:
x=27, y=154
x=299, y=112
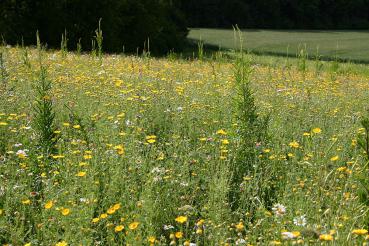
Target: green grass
x=348, y=45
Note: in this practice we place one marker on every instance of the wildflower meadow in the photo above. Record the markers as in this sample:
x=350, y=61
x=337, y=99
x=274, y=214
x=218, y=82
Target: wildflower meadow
x=117, y=149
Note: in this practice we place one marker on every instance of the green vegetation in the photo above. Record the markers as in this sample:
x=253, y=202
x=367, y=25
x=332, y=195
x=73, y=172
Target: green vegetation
x=346, y=45
x=117, y=150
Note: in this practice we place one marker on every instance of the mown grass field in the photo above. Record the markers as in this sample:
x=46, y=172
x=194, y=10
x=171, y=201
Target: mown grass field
x=346, y=45
x=146, y=151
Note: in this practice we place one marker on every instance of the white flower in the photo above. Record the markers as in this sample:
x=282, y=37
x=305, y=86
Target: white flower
x=288, y=235
x=22, y=153
x=18, y=145
x=300, y=221
x=168, y=227
x=240, y=241
x=279, y=210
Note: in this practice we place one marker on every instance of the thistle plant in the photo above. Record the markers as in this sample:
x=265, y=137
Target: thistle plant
x=302, y=56
x=99, y=40
x=79, y=47
x=25, y=56
x=93, y=48
x=251, y=135
x=200, y=50
x=318, y=62
x=64, y=44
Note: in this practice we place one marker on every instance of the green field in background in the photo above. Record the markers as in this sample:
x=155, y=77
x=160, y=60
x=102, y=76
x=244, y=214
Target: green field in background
x=347, y=45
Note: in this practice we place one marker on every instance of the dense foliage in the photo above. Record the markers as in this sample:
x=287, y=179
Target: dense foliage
x=128, y=23
x=305, y=14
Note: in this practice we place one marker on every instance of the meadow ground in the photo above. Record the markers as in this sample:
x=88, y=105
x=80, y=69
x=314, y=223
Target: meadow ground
x=128, y=150
x=346, y=45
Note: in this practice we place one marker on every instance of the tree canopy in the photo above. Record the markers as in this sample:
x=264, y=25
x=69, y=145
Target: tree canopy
x=128, y=23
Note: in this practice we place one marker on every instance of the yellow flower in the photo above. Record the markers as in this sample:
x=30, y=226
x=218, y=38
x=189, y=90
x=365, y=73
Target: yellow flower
x=360, y=232
x=221, y=132
x=133, y=225
x=225, y=142
x=178, y=234
x=335, y=158
x=26, y=202
x=116, y=206
x=76, y=126
x=118, y=228
x=317, y=130
x=95, y=220
x=151, y=239
x=181, y=219
x=111, y=211
x=326, y=237
x=240, y=226
x=27, y=244
x=65, y=211
x=103, y=216
x=62, y=243
x=151, y=139
x=3, y=123
x=81, y=174
x=294, y=144
x=49, y=205
x=1, y=211
x=119, y=149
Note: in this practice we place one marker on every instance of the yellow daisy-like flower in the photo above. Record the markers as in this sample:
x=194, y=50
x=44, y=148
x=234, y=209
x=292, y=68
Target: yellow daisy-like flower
x=65, y=211
x=118, y=228
x=221, y=132
x=326, y=237
x=317, y=130
x=181, y=219
x=178, y=234
x=95, y=220
x=76, y=126
x=81, y=174
x=335, y=158
x=294, y=144
x=27, y=244
x=151, y=239
x=360, y=232
x=116, y=206
x=49, y=204
x=103, y=216
x=240, y=226
x=26, y=202
x=119, y=149
x=111, y=211
x=133, y=225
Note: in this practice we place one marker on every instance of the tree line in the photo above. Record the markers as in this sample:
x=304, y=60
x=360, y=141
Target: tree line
x=278, y=14
x=133, y=25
